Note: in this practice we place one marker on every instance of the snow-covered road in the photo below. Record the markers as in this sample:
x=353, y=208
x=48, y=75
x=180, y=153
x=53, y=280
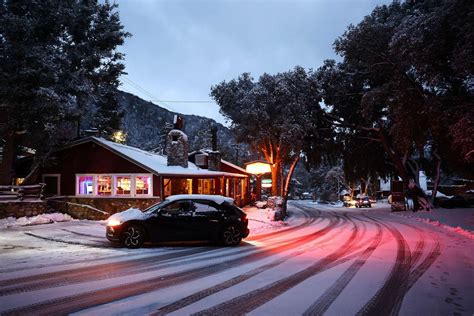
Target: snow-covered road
x=327, y=260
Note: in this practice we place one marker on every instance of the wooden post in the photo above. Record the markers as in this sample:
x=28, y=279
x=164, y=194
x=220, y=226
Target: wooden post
x=258, y=188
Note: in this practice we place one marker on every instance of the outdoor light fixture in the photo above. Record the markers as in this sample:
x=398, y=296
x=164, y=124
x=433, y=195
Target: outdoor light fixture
x=119, y=137
x=258, y=168
x=266, y=183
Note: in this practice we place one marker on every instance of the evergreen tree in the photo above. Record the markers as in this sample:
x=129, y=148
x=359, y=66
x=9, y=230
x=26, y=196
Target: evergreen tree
x=55, y=56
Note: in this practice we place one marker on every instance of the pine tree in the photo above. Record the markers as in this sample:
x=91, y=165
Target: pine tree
x=55, y=57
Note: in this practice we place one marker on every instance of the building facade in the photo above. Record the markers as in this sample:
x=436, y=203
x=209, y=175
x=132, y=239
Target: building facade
x=112, y=176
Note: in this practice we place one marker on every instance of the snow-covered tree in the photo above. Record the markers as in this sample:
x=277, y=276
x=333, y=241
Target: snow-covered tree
x=277, y=115
x=58, y=60
x=405, y=84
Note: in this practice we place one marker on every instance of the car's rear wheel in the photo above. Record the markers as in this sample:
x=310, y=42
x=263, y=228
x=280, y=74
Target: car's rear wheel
x=231, y=236
x=133, y=236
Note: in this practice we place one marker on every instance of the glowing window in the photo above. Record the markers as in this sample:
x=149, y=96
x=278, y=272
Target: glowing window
x=104, y=185
x=142, y=185
x=123, y=185
x=167, y=187
x=85, y=185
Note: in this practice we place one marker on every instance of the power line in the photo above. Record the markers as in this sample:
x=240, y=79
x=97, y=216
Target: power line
x=184, y=101
x=137, y=87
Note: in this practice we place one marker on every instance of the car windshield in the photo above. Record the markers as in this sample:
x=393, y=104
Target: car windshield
x=154, y=207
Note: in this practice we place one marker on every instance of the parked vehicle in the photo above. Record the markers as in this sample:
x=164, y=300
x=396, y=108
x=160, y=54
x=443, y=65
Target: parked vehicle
x=347, y=200
x=397, y=197
x=180, y=218
x=363, y=202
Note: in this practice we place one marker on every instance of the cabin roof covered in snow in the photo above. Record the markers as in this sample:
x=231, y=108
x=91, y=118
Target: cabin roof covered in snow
x=225, y=162
x=152, y=162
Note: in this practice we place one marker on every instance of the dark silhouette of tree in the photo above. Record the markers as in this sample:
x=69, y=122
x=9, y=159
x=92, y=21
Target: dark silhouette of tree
x=406, y=83
x=58, y=62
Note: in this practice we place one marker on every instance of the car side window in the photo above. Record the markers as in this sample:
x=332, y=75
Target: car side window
x=204, y=209
x=179, y=208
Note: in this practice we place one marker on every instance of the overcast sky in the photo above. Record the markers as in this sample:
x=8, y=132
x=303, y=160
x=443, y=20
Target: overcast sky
x=179, y=49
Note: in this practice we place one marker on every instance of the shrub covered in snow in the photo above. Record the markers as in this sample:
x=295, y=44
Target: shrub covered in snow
x=275, y=202
x=261, y=204
x=275, y=210
x=275, y=215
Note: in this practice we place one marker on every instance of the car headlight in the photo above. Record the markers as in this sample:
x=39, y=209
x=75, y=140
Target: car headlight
x=113, y=222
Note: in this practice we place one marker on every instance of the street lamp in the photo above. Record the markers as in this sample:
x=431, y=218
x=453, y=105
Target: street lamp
x=258, y=168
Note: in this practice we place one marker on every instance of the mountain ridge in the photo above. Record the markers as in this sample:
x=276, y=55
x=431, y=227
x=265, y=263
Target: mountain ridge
x=146, y=125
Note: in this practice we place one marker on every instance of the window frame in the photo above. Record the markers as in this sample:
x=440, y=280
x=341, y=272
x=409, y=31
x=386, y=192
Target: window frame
x=58, y=179
x=133, y=194
x=94, y=186
x=96, y=183
x=134, y=184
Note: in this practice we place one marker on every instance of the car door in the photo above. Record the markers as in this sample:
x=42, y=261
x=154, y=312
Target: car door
x=171, y=222
x=207, y=219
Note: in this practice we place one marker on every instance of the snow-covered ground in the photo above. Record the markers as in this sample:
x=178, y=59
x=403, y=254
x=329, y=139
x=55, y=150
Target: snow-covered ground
x=34, y=220
x=459, y=220
x=323, y=259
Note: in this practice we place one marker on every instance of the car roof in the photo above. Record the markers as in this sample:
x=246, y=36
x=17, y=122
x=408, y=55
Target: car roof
x=219, y=199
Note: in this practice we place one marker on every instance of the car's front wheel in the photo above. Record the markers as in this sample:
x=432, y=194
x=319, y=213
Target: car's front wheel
x=231, y=236
x=133, y=236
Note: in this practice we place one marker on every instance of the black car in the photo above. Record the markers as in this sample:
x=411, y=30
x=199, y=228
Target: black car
x=181, y=218
x=363, y=202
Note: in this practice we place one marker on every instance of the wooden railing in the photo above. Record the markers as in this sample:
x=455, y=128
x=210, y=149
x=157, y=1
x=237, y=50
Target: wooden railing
x=21, y=192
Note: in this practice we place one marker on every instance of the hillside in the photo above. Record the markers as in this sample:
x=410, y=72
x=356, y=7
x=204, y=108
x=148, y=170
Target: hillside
x=146, y=125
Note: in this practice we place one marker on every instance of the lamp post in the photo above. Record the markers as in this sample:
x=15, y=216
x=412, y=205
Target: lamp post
x=258, y=168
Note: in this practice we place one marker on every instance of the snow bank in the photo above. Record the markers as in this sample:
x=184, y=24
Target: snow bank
x=259, y=222
x=35, y=220
x=275, y=208
x=460, y=221
x=261, y=204
x=456, y=229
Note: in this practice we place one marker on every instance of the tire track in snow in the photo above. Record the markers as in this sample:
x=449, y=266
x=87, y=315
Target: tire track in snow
x=83, y=234
x=417, y=272
x=232, y=282
x=77, y=275
x=396, y=284
x=97, y=244
x=251, y=300
x=73, y=303
x=107, y=271
x=310, y=219
x=330, y=295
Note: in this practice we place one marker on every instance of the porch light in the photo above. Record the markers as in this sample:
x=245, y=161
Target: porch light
x=119, y=137
x=258, y=167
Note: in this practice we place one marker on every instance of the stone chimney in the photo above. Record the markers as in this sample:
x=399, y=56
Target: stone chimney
x=177, y=146
x=214, y=158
